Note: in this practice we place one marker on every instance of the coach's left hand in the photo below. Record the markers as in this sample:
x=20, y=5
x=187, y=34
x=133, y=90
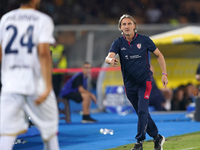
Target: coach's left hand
x=164, y=81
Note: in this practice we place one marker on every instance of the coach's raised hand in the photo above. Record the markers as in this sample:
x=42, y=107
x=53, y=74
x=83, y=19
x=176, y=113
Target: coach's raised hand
x=110, y=59
x=114, y=62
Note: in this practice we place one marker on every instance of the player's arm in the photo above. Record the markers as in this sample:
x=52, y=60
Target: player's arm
x=110, y=59
x=45, y=62
x=162, y=64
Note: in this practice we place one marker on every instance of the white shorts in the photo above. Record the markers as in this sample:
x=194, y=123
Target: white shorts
x=15, y=110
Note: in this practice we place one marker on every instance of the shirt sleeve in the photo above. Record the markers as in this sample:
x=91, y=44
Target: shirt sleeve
x=78, y=81
x=46, y=31
x=114, y=47
x=150, y=45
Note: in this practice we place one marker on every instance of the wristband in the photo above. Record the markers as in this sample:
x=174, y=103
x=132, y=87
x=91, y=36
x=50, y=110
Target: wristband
x=164, y=74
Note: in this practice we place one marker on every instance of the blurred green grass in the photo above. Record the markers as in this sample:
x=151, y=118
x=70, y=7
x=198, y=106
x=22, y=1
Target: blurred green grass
x=189, y=141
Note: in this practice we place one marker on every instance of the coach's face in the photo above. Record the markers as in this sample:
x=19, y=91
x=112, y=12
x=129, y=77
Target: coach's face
x=127, y=27
x=86, y=69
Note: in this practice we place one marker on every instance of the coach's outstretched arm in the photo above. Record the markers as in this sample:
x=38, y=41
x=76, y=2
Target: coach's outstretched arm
x=161, y=61
x=110, y=59
x=45, y=62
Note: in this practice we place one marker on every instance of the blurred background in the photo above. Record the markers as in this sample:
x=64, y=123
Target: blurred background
x=109, y=11
x=87, y=29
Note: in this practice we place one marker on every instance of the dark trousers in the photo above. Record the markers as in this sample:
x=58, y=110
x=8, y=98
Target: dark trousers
x=139, y=98
x=57, y=80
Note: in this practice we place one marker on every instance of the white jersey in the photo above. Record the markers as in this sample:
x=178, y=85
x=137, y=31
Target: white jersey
x=21, y=31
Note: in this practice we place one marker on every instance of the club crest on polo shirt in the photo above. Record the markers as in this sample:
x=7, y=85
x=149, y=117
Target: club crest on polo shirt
x=139, y=45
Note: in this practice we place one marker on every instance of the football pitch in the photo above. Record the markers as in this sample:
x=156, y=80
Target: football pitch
x=189, y=141
x=181, y=133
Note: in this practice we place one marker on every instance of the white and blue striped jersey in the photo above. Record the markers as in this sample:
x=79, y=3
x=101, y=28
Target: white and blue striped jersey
x=21, y=31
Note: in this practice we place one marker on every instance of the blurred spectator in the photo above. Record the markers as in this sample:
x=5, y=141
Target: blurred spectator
x=168, y=95
x=193, y=16
x=183, y=96
x=177, y=101
x=108, y=11
x=153, y=14
x=59, y=61
x=197, y=76
x=183, y=19
x=189, y=93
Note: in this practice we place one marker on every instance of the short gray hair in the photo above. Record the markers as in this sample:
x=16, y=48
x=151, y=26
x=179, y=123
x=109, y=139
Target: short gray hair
x=126, y=16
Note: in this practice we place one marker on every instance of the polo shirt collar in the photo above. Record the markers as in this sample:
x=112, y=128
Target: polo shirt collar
x=133, y=37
